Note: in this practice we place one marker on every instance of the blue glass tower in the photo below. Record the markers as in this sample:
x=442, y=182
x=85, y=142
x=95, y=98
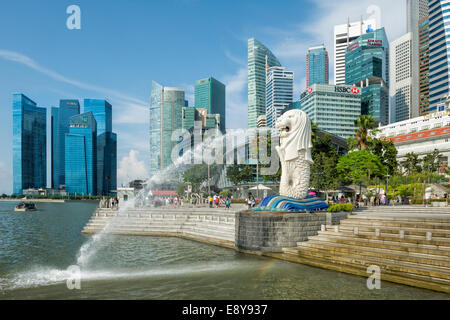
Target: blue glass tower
x=210, y=95
x=60, y=118
x=316, y=66
x=81, y=155
x=367, y=67
x=439, y=52
x=106, y=145
x=29, y=144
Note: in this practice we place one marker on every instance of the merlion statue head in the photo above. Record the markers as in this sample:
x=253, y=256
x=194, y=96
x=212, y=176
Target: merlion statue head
x=295, y=135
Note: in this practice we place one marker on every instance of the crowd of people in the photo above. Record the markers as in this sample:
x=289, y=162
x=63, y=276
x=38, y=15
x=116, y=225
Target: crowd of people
x=111, y=203
x=217, y=201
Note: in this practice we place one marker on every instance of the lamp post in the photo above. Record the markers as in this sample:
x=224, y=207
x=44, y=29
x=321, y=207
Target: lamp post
x=387, y=188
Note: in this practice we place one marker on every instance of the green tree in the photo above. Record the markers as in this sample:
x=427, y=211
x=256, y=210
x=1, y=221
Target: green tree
x=238, y=173
x=430, y=163
x=324, y=174
x=411, y=163
x=359, y=166
x=198, y=173
x=385, y=150
x=364, y=125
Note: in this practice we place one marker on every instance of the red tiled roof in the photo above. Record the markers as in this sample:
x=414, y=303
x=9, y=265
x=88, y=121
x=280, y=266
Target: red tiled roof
x=164, y=192
x=419, y=135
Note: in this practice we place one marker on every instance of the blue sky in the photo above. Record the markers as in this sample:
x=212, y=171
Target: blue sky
x=124, y=45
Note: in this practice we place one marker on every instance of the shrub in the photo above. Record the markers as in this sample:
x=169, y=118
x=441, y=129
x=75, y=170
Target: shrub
x=341, y=207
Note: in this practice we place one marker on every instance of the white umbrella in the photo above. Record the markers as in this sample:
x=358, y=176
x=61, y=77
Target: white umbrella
x=260, y=187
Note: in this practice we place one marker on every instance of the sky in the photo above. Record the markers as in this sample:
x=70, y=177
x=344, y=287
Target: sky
x=125, y=44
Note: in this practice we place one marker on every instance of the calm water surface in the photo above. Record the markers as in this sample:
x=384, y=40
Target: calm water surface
x=36, y=248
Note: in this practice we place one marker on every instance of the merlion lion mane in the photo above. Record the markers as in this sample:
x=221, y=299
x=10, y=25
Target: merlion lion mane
x=295, y=153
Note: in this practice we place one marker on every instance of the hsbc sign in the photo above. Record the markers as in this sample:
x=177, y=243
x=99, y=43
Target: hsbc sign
x=346, y=90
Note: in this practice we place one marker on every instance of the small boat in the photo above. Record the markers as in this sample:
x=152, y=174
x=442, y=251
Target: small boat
x=23, y=207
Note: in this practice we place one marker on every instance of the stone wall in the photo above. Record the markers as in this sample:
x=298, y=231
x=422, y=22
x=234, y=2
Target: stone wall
x=272, y=231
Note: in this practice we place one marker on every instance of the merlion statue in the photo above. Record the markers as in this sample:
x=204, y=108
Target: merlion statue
x=295, y=153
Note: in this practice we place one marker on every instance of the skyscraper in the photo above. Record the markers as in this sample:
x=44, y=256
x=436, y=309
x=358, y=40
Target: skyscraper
x=424, y=66
x=439, y=71
x=344, y=34
x=367, y=67
x=106, y=145
x=333, y=108
x=257, y=54
x=279, y=92
x=60, y=121
x=29, y=144
x=81, y=155
x=166, y=105
x=317, y=65
x=401, y=92
x=210, y=95
x=416, y=11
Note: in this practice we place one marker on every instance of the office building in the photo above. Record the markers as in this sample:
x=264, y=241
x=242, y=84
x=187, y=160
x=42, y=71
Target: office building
x=166, y=116
x=438, y=54
x=106, y=145
x=367, y=67
x=29, y=144
x=60, y=121
x=424, y=67
x=317, y=65
x=403, y=100
x=261, y=121
x=421, y=135
x=210, y=95
x=333, y=108
x=344, y=34
x=279, y=92
x=416, y=10
x=81, y=155
x=259, y=58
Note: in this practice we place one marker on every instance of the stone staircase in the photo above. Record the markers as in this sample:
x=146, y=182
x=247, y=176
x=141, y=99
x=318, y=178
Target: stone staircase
x=216, y=227
x=411, y=247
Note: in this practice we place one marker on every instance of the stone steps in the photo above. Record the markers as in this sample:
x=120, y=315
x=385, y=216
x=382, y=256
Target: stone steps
x=407, y=224
x=200, y=224
x=400, y=246
x=384, y=244
x=326, y=244
x=350, y=228
x=390, y=266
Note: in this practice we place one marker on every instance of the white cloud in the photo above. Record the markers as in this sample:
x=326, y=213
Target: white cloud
x=236, y=99
x=130, y=168
x=132, y=109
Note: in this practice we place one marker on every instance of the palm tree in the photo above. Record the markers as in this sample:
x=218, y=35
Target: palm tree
x=365, y=124
x=411, y=163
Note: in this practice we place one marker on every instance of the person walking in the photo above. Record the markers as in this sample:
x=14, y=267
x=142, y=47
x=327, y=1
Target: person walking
x=216, y=200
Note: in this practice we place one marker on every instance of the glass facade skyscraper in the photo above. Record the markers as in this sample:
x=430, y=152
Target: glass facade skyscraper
x=279, y=92
x=258, y=55
x=317, y=65
x=106, y=145
x=424, y=66
x=367, y=67
x=81, y=155
x=439, y=47
x=210, y=95
x=166, y=105
x=29, y=144
x=60, y=121
x=333, y=108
